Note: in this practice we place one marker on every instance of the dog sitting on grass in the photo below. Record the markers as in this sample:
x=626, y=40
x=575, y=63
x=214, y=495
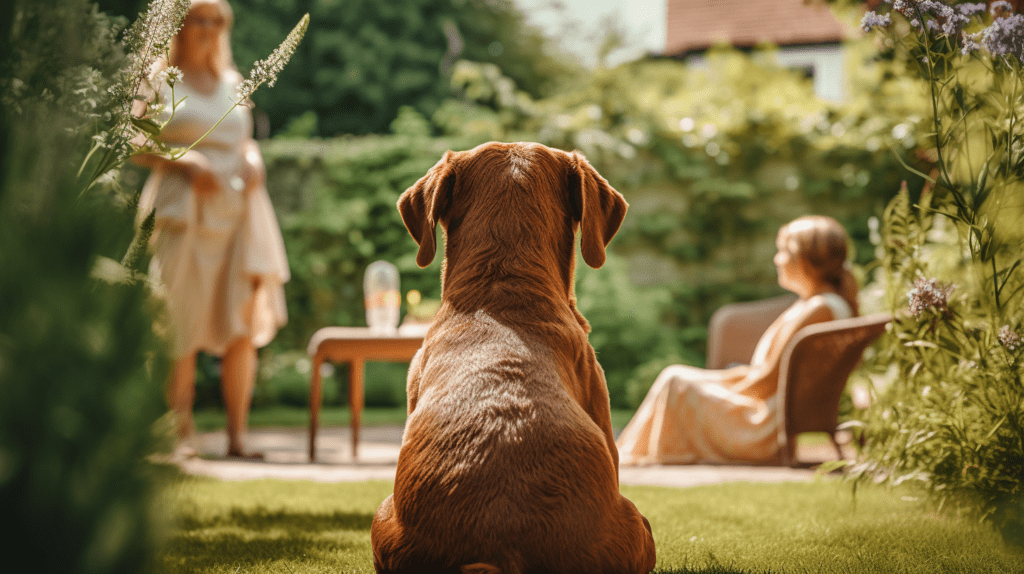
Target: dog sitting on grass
x=508, y=463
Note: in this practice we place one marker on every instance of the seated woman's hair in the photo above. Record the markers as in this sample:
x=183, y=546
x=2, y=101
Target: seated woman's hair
x=822, y=244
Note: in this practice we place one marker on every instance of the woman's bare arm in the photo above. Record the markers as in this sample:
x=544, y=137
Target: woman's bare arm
x=254, y=172
x=762, y=381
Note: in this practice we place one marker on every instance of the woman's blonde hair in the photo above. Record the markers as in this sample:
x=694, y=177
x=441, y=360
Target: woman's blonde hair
x=822, y=244
x=221, y=59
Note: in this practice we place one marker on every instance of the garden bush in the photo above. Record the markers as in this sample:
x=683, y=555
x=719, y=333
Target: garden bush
x=713, y=162
x=80, y=368
x=363, y=59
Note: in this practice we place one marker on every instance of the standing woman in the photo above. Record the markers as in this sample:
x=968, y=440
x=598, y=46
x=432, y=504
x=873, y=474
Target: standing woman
x=217, y=246
x=693, y=415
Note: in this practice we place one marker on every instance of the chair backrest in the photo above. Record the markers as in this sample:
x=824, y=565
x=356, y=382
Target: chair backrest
x=813, y=372
x=735, y=329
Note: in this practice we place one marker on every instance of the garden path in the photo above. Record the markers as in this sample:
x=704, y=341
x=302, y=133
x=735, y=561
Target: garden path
x=286, y=457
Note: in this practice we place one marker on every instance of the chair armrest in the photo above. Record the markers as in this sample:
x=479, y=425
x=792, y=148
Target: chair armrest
x=813, y=371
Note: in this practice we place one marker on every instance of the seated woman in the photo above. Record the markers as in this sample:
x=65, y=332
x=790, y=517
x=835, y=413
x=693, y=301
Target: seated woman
x=694, y=415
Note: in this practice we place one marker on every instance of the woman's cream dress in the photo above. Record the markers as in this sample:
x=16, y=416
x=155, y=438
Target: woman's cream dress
x=219, y=256
x=691, y=415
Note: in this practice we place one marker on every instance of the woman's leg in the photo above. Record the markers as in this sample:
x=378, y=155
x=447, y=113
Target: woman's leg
x=181, y=394
x=238, y=377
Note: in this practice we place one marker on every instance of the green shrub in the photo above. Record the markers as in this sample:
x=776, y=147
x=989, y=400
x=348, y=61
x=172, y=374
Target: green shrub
x=627, y=326
x=80, y=370
x=284, y=379
x=701, y=227
x=953, y=415
x=365, y=59
x=336, y=202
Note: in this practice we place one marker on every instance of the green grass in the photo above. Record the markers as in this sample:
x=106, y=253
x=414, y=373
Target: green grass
x=282, y=416
x=298, y=417
x=305, y=527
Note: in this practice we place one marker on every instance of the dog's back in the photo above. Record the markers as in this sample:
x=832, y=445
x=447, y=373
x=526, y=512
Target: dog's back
x=507, y=457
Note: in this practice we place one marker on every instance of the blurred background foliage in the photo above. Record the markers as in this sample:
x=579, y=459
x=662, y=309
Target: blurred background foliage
x=362, y=60
x=713, y=161
x=712, y=158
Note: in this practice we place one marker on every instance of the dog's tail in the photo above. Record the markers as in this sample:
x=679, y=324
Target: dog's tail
x=477, y=568
x=481, y=568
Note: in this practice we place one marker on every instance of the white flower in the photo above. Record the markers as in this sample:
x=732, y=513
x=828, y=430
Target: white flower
x=266, y=71
x=147, y=40
x=928, y=294
x=872, y=19
x=173, y=75
x=1009, y=338
x=1000, y=6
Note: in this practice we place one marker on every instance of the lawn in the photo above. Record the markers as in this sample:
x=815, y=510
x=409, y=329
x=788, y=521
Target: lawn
x=284, y=416
x=298, y=417
x=305, y=527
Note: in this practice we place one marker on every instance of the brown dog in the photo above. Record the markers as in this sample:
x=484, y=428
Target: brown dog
x=508, y=463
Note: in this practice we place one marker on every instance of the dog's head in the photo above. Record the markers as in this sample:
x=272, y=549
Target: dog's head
x=511, y=197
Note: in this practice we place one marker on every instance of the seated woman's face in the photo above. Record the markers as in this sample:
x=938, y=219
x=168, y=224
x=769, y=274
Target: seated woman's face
x=787, y=264
x=202, y=27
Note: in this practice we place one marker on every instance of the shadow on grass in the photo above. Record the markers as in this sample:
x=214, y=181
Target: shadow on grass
x=240, y=540
x=711, y=570
x=715, y=567
x=260, y=519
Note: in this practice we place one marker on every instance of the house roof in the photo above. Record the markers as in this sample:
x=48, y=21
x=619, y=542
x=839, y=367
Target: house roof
x=693, y=25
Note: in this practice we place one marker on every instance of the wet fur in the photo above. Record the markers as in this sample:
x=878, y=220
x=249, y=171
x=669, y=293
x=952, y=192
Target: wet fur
x=508, y=463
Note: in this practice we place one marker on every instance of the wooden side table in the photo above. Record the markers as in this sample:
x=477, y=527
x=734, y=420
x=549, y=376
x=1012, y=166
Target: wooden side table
x=355, y=346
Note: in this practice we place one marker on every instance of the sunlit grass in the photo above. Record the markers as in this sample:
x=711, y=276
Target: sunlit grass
x=306, y=527
x=284, y=416
x=298, y=417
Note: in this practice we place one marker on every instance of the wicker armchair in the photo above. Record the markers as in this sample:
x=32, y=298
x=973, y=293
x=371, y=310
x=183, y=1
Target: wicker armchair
x=813, y=373
x=814, y=367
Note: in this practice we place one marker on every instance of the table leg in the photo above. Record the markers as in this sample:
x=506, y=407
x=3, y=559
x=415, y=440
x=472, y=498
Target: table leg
x=355, y=401
x=314, y=406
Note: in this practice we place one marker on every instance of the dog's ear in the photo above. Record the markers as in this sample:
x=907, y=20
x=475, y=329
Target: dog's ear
x=596, y=205
x=425, y=203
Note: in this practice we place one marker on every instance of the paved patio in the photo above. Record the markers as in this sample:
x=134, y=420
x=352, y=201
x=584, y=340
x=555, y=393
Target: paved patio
x=286, y=457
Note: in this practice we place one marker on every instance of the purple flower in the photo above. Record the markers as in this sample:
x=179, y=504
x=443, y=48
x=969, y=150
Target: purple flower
x=929, y=294
x=1000, y=6
x=934, y=8
x=872, y=19
x=954, y=24
x=905, y=7
x=1005, y=36
x=1010, y=339
x=969, y=44
x=970, y=9
x=933, y=26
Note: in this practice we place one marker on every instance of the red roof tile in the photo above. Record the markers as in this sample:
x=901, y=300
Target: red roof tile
x=698, y=24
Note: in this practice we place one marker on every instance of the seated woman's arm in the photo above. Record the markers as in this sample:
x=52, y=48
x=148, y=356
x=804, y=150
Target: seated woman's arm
x=761, y=381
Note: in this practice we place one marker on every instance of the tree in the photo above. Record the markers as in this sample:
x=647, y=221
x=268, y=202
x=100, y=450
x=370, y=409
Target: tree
x=363, y=60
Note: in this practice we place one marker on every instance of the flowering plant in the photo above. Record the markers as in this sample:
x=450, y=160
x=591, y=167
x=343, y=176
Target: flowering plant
x=953, y=415
x=148, y=40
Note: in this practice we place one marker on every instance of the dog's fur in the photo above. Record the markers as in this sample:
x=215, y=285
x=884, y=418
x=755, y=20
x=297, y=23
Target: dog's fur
x=508, y=463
